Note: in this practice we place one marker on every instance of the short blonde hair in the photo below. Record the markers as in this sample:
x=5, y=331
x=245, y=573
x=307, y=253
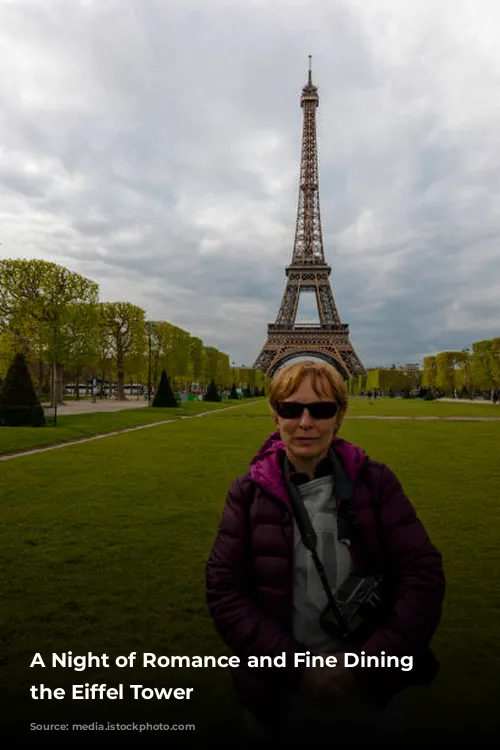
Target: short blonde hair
x=325, y=380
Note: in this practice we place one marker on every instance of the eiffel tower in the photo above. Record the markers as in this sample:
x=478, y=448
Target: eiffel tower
x=309, y=272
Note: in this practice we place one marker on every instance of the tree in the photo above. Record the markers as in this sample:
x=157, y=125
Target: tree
x=463, y=373
x=19, y=404
x=430, y=373
x=164, y=395
x=211, y=394
x=211, y=363
x=445, y=371
x=7, y=351
x=495, y=362
x=170, y=350
x=196, y=359
x=251, y=377
x=124, y=333
x=181, y=340
x=80, y=327
x=35, y=294
x=482, y=365
x=223, y=369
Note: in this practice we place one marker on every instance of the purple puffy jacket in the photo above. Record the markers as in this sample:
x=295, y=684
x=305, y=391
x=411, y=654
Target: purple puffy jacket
x=249, y=574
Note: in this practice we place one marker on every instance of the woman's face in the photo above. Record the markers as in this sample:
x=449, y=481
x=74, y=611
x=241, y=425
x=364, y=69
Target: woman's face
x=307, y=440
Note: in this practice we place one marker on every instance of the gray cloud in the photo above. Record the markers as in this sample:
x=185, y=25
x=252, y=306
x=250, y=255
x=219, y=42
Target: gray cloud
x=154, y=147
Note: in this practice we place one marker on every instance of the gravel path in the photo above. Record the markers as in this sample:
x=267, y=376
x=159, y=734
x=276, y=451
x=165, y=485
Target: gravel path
x=86, y=406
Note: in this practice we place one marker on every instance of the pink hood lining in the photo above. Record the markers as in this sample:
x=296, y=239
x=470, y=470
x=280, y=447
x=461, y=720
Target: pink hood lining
x=265, y=467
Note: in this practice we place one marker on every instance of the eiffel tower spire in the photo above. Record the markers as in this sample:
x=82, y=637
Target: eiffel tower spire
x=309, y=272
x=308, y=245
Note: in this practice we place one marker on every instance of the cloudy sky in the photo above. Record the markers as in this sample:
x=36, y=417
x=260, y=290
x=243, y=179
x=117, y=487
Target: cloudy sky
x=154, y=145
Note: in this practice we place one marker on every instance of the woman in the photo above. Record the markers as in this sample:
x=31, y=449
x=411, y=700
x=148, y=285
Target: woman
x=268, y=597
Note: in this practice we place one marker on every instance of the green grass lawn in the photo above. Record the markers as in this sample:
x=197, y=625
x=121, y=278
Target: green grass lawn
x=78, y=426
x=103, y=549
x=418, y=408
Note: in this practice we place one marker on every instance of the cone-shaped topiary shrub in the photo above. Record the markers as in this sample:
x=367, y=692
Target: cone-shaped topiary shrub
x=164, y=395
x=19, y=404
x=234, y=392
x=211, y=394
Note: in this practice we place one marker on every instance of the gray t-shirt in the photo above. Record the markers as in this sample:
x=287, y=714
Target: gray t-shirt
x=309, y=597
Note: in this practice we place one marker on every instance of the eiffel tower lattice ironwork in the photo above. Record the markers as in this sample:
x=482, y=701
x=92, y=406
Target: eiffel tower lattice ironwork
x=308, y=272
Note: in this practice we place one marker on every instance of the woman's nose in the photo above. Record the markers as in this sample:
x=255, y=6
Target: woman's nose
x=305, y=419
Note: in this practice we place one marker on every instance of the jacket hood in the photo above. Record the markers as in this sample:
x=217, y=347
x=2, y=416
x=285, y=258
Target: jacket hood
x=265, y=467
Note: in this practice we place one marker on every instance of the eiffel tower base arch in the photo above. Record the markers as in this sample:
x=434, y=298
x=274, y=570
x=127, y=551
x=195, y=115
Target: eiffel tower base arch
x=331, y=346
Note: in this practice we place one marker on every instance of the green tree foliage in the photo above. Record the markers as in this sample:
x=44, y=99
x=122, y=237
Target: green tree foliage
x=463, y=370
x=429, y=377
x=495, y=362
x=170, y=350
x=196, y=359
x=80, y=332
x=19, y=404
x=237, y=374
x=164, y=395
x=251, y=378
x=36, y=295
x=123, y=337
x=223, y=370
x=211, y=364
x=54, y=316
x=157, y=334
x=445, y=372
x=373, y=380
x=8, y=343
x=482, y=365
x=181, y=340
x=248, y=376
x=217, y=367
x=390, y=380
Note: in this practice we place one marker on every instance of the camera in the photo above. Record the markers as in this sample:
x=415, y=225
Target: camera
x=358, y=602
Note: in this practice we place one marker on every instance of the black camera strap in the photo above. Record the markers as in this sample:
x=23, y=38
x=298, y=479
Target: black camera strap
x=345, y=522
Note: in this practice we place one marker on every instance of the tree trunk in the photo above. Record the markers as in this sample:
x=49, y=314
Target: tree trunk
x=59, y=383
x=121, y=379
x=56, y=384
x=155, y=369
x=121, y=383
x=40, y=377
x=78, y=383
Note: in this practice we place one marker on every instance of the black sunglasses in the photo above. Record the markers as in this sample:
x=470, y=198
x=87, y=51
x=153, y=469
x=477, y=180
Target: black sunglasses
x=317, y=410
